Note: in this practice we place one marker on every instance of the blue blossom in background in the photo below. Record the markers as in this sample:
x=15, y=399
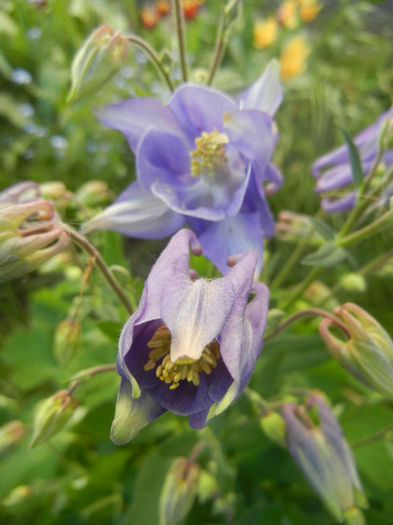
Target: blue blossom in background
x=202, y=159
x=333, y=170
x=192, y=344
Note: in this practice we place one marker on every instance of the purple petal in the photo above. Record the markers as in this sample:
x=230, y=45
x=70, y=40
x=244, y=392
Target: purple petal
x=137, y=213
x=255, y=202
x=340, y=204
x=195, y=312
x=233, y=235
x=266, y=93
x=198, y=420
x=135, y=116
x=254, y=134
x=199, y=108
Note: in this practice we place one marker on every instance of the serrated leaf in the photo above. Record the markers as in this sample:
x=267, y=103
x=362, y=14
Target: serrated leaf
x=354, y=157
x=326, y=256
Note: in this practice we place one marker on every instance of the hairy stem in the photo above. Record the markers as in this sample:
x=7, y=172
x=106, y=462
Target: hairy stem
x=180, y=28
x=83, y=376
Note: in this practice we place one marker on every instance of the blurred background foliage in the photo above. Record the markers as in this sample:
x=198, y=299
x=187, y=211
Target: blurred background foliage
x=79, y=476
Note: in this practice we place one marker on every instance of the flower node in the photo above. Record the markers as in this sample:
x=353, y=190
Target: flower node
x=183, y=369
x=209, y=153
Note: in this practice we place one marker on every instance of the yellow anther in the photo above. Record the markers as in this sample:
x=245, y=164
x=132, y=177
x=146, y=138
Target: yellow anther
x=209, y=153
x=185, y=368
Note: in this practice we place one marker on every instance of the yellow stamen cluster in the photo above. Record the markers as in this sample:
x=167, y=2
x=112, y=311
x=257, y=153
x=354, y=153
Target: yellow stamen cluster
x=183, y=369
x=209, y=153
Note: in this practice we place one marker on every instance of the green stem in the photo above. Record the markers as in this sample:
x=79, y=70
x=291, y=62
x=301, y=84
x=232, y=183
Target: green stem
x=374, y=437
x=312, y=275
x=85, y=244
x=376, y=265
x=180, y=28
x=155, y=58
x=218, y=52
x=84, y=375
x=303, y=313
x=368, y=230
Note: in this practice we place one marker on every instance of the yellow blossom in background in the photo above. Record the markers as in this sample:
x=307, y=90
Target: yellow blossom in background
x=265, y=33
x=293, y=58
x=287, y=15
x=309, y=9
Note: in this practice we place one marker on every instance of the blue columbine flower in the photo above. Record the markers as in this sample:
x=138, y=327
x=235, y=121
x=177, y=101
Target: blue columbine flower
x=203, y=159
x=192, y=344
x=333, y=170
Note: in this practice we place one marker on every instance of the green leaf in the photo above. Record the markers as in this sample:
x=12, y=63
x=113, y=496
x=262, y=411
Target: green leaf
x=326, y=256
x=111, y=329
x=324, y=230
x=356, y=165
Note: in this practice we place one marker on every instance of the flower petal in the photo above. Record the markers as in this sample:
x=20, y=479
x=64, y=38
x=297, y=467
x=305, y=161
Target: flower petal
x=199, y=108
x=230, y=236
x=340, y=204
x=137, y=213
x=266, y=93
x=131, y=415
x=134, y=116
x=194, y=313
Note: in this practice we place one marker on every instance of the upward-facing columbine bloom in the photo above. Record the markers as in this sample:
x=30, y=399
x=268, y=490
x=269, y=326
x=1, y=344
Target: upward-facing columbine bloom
x=192, y=344
x=333, y=170
x=202, y=159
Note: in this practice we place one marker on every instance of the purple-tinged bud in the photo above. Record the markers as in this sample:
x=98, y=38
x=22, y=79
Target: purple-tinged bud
x=97, y=61
x=368, y=354
x=11, y=434
x=28, y=237
x=179, y=491
x=21, y=192
x=316, y=442
x=51, y=416
x=67, y=340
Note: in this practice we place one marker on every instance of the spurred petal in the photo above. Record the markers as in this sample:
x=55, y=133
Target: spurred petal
x=340, y=204
x=199, y=108
x=233, y=235
x=266, y=93
x=195, y=312
x=137, y=213
x=135, y=116
x=132, y=415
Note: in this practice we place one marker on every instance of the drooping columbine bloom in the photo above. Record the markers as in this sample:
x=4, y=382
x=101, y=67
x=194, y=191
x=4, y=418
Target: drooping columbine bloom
x=333, y=170
x=202, y=159
x=192, y=344
x=323, y=455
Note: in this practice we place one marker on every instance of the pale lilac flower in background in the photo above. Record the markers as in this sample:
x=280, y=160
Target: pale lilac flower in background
x=203, y=159
x=192, y=344
x=333, y=170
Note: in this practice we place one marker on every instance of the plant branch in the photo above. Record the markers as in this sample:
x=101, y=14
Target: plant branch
x=84, y=375
x=180, y=28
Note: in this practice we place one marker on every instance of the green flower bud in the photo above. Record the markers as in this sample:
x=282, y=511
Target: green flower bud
x=67, y=340
x=273, y=426
x=368, y=354
x=97, y=61
x=179, y=491
x=318, y=447
x=93, y=193
x=51, y=416
x=11, y=434
x=17, y=496
x=353, y=282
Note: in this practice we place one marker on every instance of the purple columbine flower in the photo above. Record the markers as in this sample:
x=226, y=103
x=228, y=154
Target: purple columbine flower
x=333, y=170
x=192, y=344
x=201, y=159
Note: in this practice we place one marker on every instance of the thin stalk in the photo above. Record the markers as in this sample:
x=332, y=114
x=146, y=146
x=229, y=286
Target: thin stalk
x=218, y=51
x=180, y=28
x=368, y=230
x=303, y=313
x=312, y=275
x=85, y=244
x=155, y=58
x=374, y=437
x=101, y=369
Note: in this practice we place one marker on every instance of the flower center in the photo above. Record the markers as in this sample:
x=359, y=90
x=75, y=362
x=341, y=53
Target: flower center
x=209, y=153
x=183, y=369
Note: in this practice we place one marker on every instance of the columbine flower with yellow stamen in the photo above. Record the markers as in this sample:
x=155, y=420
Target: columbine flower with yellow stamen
x=202, y=158
x=191, y=346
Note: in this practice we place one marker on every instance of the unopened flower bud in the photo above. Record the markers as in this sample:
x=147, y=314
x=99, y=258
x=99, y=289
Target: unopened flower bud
x=93, y=193
x=28, y=237
x=97, y=61
x=368, y=353
x=51, y=416
x=273, y=426
x=11, y=434
x=20, y=192
x=17, y=496
x=67, y=340
x=323, y=455
x=353, y=282
x=179, y=491
x=207, y=486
